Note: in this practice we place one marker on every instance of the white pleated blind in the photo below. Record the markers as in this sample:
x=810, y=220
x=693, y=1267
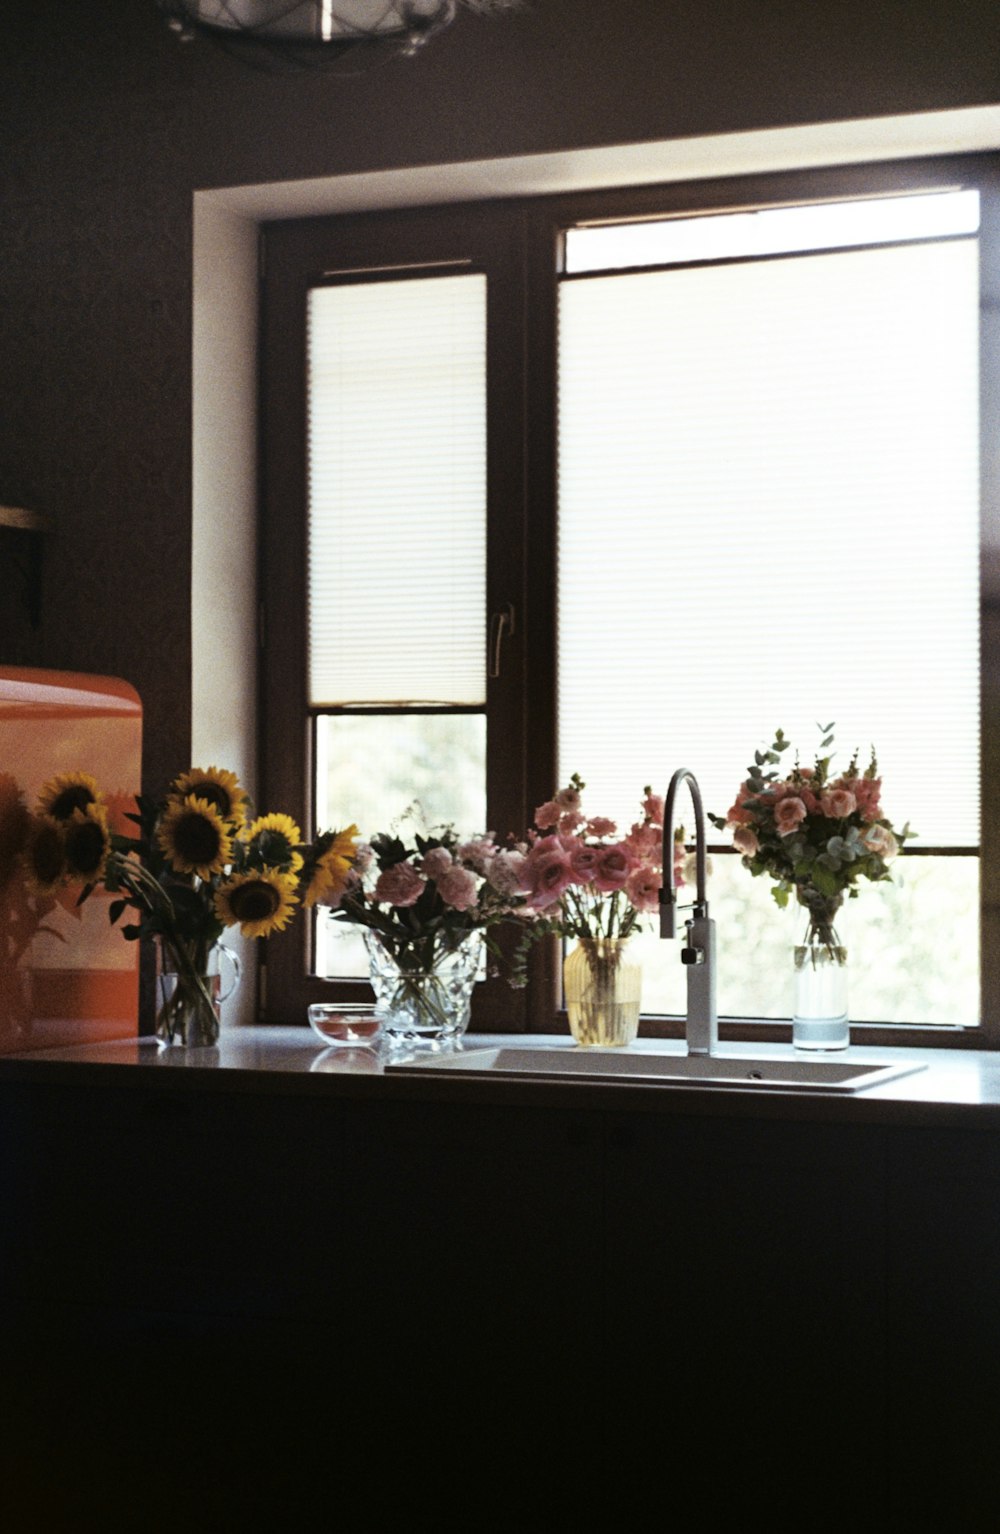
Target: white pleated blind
x=397, y=492
x=768, y=516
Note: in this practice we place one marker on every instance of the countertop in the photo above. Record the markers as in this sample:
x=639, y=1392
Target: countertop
x=959, y=1088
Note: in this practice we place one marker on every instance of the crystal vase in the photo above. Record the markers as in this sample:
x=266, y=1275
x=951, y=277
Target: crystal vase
x=602, y=984
x=420, y=996
x=820, y=1019
x=192, y=982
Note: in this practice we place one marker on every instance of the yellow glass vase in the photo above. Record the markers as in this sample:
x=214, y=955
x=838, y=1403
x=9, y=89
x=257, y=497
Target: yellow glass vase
x=603, y=990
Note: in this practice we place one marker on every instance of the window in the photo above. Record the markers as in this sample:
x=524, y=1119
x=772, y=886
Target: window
x=710, y=459
x=783, y=415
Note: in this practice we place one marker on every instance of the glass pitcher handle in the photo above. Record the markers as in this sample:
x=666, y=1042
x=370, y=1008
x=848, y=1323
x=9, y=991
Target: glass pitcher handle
x=226, y=954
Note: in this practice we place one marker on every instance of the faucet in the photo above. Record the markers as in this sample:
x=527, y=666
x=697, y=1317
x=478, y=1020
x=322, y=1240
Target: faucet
x=702, y=1026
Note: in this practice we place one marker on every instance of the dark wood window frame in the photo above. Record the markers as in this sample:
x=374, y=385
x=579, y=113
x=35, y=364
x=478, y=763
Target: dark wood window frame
x=517, y=243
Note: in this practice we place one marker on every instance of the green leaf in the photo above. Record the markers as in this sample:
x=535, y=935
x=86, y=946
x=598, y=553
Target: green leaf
x=824, y=880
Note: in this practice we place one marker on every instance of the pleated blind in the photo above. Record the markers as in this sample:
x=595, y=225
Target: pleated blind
x=768, y=516
x=397, y=492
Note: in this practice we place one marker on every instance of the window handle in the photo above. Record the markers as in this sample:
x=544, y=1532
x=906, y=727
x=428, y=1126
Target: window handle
x=501, y=623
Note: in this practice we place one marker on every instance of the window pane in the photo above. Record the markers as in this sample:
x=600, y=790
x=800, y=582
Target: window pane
x=371, y=768
x=397, y=492
x=762, y=231
x=912, y=946
x=768, y=516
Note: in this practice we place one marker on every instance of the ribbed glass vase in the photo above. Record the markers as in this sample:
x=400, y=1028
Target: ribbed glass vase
x=602, y=985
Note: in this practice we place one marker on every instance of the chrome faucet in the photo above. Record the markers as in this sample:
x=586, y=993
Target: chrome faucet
x=702, y=1027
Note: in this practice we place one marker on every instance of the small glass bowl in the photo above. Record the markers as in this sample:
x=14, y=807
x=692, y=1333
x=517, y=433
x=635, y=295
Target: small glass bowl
x=348, y=1023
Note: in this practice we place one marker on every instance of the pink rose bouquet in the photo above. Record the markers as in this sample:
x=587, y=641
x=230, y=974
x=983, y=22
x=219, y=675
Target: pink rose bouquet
x=583, y=878
x=422, y=897
x=815, y=833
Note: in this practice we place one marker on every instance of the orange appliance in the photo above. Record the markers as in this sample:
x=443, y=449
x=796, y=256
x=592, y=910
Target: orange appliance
x=66, y=975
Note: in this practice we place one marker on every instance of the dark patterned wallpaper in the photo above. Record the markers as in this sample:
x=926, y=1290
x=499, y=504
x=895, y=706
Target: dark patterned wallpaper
x=107, y=125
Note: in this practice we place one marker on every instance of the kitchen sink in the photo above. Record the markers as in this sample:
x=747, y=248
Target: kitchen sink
x=555, y=1063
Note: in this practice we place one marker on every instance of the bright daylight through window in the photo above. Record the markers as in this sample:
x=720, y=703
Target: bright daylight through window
x=767, y=516
x=769, y=493
x=397, y=647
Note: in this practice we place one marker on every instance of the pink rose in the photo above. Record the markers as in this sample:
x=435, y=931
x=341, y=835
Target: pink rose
x=583, y=861
x=788, y=814
x=645, y=842
x=399, y=885
x=614, y=864
x=436, y=862
x=568, y=800
x=838, y=803
x=457, y=887
x=880, y=840
x=478, y=852
x=547, y=815
x=546, y=873
x=652, y=808
x=737, y=815
x=745, y=841
x=643, y=888
x=601, y=826
x=867, y=792
x=505, y=872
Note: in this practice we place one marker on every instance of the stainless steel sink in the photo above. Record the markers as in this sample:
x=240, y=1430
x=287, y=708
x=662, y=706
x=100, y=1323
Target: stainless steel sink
x=554, y=1063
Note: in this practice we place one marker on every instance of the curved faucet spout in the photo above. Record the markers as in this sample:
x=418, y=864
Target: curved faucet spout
x=698, y=954
x=668, y=894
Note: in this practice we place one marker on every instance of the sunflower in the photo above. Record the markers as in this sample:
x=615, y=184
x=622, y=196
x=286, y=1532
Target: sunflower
x=218, y=787
x=333, y=861
x=261, y=901
x=45, y=854
x=194, y=837
x=271, y=842
x=87, y=842
x=67, y=792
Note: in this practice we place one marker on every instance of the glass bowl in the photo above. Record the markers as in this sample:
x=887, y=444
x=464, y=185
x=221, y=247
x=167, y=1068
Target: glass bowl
x=347, y=1023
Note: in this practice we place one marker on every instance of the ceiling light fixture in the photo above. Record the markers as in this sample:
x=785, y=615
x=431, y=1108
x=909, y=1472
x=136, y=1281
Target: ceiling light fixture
x=308, y=34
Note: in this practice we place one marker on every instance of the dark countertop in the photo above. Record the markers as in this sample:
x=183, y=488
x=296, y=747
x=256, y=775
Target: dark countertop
x=959, y=1088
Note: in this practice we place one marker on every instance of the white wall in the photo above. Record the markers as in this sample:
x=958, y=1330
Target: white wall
x=224, y=545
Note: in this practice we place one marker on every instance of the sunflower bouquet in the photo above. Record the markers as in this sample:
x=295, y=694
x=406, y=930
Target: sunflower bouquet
x=197, y=863
x=48, y=852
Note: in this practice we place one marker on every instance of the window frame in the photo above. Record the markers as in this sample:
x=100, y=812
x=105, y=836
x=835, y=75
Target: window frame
x=519, y=242
x=299, y=255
